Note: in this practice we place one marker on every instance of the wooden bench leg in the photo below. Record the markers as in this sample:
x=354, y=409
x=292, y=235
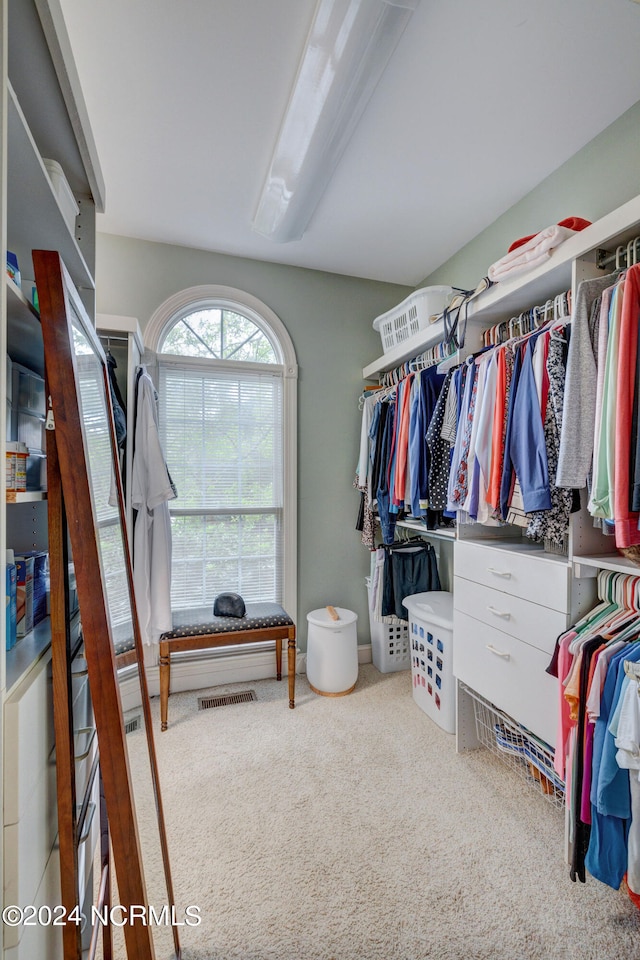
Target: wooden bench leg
x=291, y=665
x=165, y=680
x=279, y=658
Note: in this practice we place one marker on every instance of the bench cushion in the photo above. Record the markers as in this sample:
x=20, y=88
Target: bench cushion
x=201, y=622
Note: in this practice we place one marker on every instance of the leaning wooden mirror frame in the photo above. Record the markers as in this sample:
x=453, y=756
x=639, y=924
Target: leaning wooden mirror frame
x=87, y=459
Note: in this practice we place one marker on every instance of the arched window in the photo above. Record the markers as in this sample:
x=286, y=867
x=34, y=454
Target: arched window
x=227, y=396
x=217, y=333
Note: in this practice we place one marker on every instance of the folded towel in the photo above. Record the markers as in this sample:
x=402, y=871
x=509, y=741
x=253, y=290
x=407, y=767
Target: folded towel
x=505, y=273
x=530, y=253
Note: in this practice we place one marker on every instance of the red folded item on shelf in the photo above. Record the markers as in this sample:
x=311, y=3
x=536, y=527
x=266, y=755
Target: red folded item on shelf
x=571, y=223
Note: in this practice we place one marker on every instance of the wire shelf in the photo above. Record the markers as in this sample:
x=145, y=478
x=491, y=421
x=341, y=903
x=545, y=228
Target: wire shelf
x=518, y=748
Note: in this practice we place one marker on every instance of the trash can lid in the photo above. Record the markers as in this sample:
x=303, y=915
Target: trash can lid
x=321, y=617
x=436, y=606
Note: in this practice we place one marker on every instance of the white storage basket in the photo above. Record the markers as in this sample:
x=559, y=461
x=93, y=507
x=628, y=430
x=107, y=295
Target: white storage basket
x=390, y=650
x=413, y=314
x=431, y=637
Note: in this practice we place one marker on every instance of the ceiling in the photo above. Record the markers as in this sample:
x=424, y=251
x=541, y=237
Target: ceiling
x=481, y=100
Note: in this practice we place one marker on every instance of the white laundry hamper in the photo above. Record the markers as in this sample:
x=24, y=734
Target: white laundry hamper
x=389, y=640
x=332, y=652
x=431, y=640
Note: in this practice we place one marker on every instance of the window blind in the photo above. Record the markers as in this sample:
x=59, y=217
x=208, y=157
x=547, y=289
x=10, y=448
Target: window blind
x=222, y=433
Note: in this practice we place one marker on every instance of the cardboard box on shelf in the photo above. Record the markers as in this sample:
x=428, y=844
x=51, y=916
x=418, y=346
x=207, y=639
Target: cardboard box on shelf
x=24, y=595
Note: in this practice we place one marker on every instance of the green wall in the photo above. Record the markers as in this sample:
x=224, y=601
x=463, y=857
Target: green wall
x=329, y=319
x=597, y=179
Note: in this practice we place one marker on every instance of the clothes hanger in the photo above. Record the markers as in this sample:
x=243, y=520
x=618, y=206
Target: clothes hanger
x=632, y=252
x=625, y=624
x=606, y=580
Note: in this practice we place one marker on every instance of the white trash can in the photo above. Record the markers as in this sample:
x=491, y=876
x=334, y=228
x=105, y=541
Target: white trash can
x=431, y=639
x=332, y=652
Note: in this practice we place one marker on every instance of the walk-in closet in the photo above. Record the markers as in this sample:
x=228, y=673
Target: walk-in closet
x=320, y=323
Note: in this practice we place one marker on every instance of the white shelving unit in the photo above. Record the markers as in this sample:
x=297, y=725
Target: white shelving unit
x=573, y=261
x=588, y=566
x=502, y=584
x=45, y=117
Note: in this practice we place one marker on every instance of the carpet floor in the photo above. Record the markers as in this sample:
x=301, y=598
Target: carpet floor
x=349, y=829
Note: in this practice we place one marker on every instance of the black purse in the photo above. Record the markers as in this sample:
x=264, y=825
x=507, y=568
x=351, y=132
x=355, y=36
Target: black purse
x=229, y=605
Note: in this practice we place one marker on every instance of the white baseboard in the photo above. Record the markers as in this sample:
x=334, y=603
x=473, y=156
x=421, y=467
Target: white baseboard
x=130, y=694
x=201, y=673
x=364, y=653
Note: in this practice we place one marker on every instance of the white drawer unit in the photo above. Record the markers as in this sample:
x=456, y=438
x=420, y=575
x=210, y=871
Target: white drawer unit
x=511, y=603
x=508, y=672
x=520, y=569
x=39, y=939
x=28, y=738
x=536, y=625
x=29, y=841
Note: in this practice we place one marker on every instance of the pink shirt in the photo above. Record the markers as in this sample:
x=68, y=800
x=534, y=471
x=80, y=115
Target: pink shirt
x=565, y=723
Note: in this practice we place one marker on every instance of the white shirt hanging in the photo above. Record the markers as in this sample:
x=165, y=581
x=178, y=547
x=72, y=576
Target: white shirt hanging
x=151, y=489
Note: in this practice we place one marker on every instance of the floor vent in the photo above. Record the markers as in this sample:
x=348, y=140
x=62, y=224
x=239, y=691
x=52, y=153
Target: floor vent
x=226, y=700
x=133, y=724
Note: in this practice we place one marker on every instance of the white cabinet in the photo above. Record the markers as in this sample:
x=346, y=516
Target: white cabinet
x=45, y=117
x=534, y=623
x=517, y=568
x=40, y=939
x=30, y=818
x=511, y=601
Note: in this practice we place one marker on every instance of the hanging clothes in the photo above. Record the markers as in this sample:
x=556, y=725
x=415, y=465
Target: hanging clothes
x=410, y=567
x=601, y=500
x=626, y=519
x=508, y=428
x=576, y=446
x=394, y=462
x=117, y=403
x=598, y=737
x=151, y=489
x=552, y=524
x=439, y=449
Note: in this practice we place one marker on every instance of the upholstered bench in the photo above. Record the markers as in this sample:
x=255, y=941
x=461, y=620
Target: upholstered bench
x=125, y=649
x=199, y=630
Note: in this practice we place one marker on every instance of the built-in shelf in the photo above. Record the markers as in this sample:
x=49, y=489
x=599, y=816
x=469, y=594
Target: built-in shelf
x=443, y=533
x=605, y=561
x=26, y=653
x=510, y=298
x=516, y=545
x=24, y=334
x=26, y=496
x=34, y=218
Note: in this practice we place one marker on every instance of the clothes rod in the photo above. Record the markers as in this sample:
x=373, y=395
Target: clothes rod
x=625, y=251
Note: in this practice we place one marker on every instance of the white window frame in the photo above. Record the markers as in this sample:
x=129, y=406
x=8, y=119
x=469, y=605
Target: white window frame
x=229, y=298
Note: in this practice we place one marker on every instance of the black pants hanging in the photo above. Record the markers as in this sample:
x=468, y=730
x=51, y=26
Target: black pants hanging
x=408, y=569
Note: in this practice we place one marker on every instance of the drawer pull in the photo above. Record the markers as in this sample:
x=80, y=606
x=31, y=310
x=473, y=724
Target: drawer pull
x=498, y=653
x=500, y=573
x=498, y=613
